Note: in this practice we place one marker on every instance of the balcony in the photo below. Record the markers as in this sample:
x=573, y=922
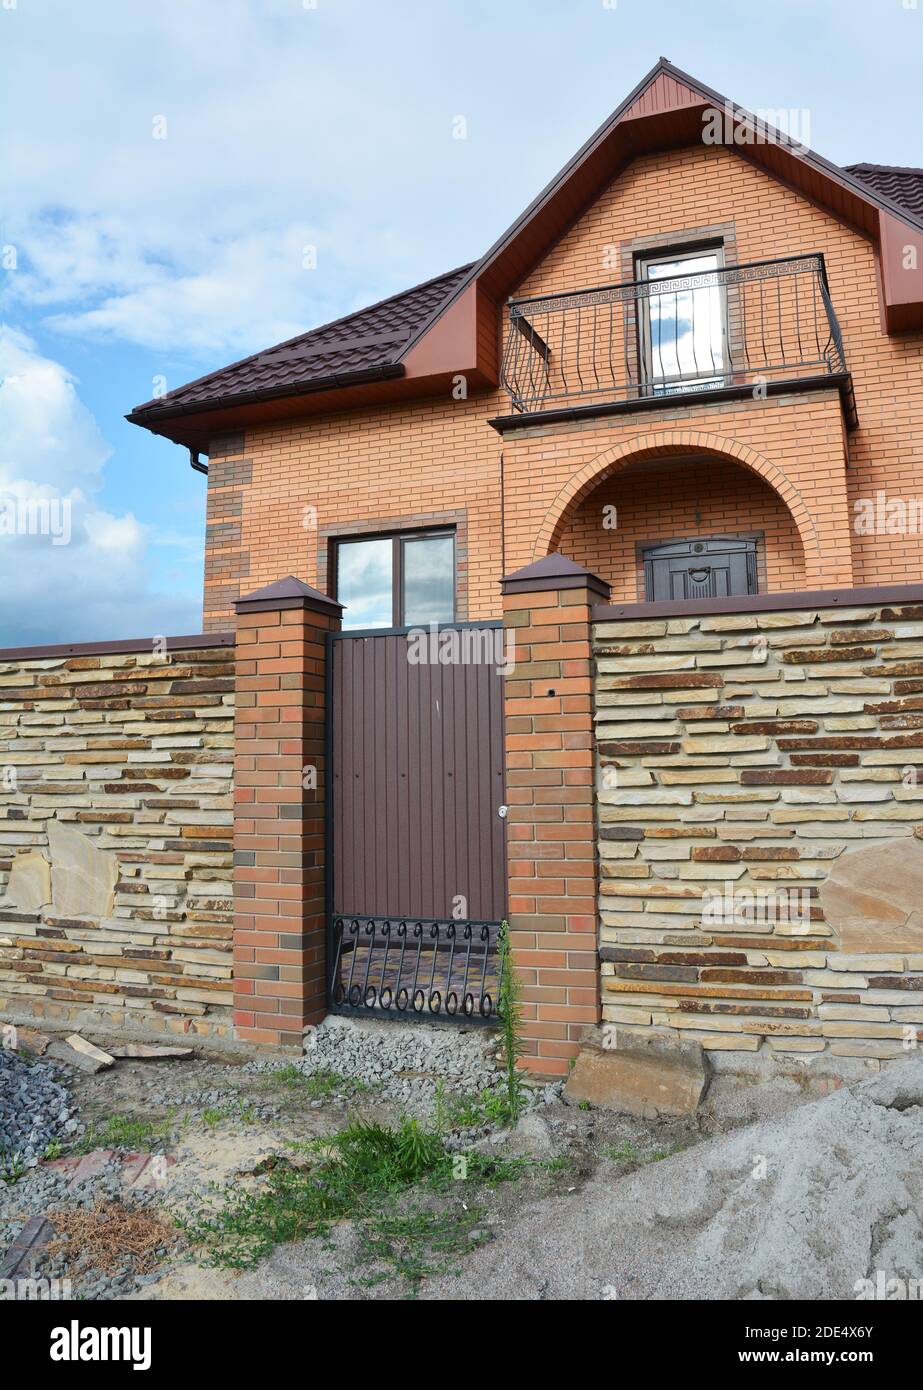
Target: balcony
x=745, y=330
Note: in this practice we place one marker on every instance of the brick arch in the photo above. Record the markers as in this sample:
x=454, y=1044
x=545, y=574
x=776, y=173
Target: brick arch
x=641, y=446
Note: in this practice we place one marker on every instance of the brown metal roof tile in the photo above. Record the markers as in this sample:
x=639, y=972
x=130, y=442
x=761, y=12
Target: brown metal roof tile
x=371, y=344
x=902, y=185
x=368, y=339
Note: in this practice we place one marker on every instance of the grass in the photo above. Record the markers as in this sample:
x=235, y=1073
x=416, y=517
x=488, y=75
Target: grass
x=351, y=1172
x=242, y=1110
x=123, y=1132
x=623, y=1153
x=12, y=1167
x=629, y=1153
x=469, y=1111
x=416, y=1242
x=316, y=1085
x=457, y=1111
x=365, y=1173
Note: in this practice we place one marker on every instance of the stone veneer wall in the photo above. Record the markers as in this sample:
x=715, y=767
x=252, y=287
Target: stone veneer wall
x=115, y=837
x=760, y=751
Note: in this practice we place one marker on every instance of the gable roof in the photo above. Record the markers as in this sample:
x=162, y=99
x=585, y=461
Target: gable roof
x=663, y=111
x=412, y=343
x=902, y=185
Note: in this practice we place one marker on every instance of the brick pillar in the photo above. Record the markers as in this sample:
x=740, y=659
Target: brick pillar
x=553, y=874
x=279, y=882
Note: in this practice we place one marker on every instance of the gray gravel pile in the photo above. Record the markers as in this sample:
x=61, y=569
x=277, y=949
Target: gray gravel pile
x=822, y=1203
x=402, y=1062
x=409, y=1064
x=225, y=1103
x=34, y=1110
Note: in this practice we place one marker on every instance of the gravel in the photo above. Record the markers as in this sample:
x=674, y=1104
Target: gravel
x=48, y=1188
x=34, y=1110
x=405, y=1063
x=402, y=1067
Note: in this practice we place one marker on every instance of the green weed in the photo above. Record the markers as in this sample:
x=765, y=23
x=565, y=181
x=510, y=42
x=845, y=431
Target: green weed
x=123, y=1132
x=359, y=1174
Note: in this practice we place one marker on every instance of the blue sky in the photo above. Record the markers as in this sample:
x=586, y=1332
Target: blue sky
x=129, y=257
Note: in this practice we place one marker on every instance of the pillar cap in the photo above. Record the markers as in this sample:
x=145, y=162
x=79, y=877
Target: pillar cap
x=287, y=593
x=553, y=572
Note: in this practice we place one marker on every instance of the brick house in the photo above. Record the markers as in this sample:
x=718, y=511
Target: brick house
x=667, y=432
x=361, y=419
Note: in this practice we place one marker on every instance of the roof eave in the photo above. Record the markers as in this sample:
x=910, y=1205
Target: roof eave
x=149, y=416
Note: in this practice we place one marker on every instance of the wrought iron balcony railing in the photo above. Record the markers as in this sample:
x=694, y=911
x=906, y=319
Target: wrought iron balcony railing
x=738, y=328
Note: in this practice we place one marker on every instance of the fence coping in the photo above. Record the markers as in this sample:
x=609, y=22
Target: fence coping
x=761, y=603
x=194, y=641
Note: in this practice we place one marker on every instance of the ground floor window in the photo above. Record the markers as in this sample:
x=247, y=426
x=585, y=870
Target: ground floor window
x=401, y=580
x=706, y=567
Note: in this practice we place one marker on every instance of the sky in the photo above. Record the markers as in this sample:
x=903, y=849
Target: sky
x=166, y=163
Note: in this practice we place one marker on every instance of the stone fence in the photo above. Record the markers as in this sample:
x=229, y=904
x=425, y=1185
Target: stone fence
x=760, y=824
x=714, y=814
x=116, y=766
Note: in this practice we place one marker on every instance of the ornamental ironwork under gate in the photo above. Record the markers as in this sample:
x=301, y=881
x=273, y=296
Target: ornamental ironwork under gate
x=416, y=829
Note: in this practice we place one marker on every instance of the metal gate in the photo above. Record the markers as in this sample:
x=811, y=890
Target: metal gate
x=416, y=829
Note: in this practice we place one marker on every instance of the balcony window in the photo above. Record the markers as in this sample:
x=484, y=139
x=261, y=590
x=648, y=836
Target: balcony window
x=402, y=580
x=682, y=321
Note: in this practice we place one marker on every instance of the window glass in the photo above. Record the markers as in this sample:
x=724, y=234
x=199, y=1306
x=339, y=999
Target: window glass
x=429, y=580
x=684, y=322
x=365, y=582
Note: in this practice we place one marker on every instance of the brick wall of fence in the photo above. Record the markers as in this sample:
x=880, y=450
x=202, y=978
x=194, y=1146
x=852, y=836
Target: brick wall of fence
x=760, y=824
x=116, y=834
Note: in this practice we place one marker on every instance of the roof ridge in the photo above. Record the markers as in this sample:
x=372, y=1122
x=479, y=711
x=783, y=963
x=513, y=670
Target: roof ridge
x=663, y=66
x=886, y=168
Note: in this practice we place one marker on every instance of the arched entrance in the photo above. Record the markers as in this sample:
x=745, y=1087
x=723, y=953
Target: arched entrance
x=700, y=516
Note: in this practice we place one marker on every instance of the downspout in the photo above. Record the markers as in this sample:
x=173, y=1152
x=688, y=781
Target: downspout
x=502, y=520
x=196, y=463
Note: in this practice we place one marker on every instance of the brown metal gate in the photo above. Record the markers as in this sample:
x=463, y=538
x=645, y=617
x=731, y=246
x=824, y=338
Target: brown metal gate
x=417, y=831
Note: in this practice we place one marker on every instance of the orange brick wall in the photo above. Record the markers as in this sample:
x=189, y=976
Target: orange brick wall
x=548, y=711
x=402, y=464
x=675, y=501
x=279, y=844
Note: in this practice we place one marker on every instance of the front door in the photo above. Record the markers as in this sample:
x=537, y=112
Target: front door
x=715, y=567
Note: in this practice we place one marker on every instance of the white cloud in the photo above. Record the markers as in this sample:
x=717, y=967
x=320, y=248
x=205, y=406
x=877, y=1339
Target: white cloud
x=338, y=117
x=245, y=286
x=70, y=571
x=282, y=129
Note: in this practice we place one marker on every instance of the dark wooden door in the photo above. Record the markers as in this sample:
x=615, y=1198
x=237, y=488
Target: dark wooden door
x=710, y=568
x=417, y=781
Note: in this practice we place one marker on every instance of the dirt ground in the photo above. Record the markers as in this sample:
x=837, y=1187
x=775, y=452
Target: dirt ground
x=569, y=1201
x=209, y=1123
